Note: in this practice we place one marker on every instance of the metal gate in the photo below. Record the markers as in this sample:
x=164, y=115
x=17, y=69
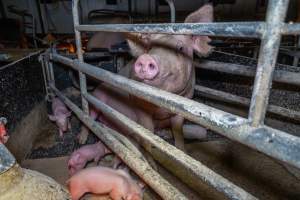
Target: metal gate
x=249, y=131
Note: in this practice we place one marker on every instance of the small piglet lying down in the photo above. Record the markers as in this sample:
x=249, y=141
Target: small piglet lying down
x=60, y=115
x=101, y=180
x=81, y=156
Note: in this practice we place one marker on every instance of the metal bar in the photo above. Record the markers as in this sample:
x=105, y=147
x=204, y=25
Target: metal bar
x=266, y=62
x=290, y=29
x=38, y=7
x=172, y=9
x=270, y=141
x=45, y=76
x=280, y=76
x=82, y=78
x=138, y=165
x=226, y=29
x=230, y=98
x=191, y=170
x=296, y=57
x=2, y=10
x=21, y=59
x=51, y=71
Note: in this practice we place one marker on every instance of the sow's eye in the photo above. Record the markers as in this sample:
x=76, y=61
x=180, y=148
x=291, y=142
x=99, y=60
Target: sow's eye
x=180, y=46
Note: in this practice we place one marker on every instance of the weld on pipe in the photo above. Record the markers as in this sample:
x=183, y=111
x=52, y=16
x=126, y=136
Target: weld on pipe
x=136, y=163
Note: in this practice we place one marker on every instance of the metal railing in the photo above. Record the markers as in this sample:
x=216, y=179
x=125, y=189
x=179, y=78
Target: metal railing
x=251, y=132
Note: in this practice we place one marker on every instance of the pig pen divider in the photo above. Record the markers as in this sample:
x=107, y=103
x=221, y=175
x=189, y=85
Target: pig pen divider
x=134, y=161
x=251, y=132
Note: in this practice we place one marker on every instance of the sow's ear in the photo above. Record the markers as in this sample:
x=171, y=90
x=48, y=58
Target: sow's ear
x=200, y=43
x=138, y=43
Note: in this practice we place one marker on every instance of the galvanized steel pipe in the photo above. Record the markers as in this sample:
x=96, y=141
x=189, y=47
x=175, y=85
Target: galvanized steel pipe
x=280, y=76
x=135, y=162
x=266, y=62
x=272, y=142
x=226, y=29
x=191, y=171
x=82, y=78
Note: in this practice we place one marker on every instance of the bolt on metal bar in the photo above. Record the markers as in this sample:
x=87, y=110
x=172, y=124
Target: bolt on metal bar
x=272, y=142
x=137, y=164
x=266, y=62
x=226, y=29
x=82, y=78
x=192, y=170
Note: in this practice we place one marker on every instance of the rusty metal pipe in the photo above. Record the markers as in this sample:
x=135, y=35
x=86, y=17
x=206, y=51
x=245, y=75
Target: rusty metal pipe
x=136, y=163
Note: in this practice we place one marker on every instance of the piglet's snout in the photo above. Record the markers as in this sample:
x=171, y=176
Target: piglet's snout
x=146, y=67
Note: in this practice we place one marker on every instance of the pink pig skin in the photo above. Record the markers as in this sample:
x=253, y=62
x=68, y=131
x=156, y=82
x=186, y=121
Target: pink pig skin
x=60, y=116
x=101, y=180
x=81, y=156
x=162, y=61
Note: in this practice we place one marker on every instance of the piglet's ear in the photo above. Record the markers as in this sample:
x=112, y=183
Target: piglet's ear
x=52, y=117
x=202, y=15
x=137, y=43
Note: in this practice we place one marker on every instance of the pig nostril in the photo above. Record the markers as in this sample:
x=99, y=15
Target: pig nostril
x=151, y=66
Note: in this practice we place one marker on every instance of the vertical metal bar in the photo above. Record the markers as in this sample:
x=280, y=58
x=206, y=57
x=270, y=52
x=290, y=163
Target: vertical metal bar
x=38, y=7
x=46, y=80
x=82, y=77
x=296, y=58
x=172, y=10
x=267, y=58
x=2, y=10
x=52, y=77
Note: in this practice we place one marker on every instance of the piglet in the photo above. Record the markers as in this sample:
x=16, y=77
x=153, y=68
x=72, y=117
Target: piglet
x=81, y=156
x=101, y=180
x=60, y=115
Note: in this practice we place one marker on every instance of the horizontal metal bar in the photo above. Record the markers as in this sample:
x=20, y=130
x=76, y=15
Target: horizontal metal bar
x=237, y=29
x=230, y=98
x=290, y=29
x=280, y=76
x=137, y=164
x=272, y=142
x=191, y=170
